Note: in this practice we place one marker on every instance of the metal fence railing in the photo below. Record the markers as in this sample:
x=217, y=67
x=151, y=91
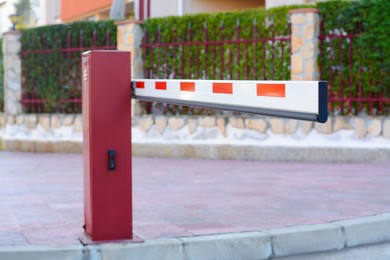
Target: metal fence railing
x=356, y=85
x=51, y=77
x=215, y=57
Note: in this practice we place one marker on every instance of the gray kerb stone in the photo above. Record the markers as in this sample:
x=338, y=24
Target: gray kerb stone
x=364, y=231
x=148, y=250
x=245, y=246
x=306, y=239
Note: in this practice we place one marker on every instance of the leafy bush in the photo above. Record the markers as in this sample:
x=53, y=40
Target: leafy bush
x=193, y=60
x=250, y=44
x=51, y=62
x=358, y=66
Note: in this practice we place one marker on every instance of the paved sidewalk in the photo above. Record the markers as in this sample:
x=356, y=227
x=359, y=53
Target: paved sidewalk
x=41, y=196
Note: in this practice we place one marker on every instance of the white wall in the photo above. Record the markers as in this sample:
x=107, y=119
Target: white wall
x=276, y=3
x=161, y=8
x=6, y=9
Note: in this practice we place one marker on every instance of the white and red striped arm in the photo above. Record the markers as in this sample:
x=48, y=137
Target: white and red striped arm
x=306, y=100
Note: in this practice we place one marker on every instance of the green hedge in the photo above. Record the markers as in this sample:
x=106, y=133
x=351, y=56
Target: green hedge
x=369, y=20
x=56, y=75
x=261, y=60
x=175, y=29
x=1, y=77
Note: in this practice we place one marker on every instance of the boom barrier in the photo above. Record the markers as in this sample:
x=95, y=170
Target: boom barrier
x=107, y=91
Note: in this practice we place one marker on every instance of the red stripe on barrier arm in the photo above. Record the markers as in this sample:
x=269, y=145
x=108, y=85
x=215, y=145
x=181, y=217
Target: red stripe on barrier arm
x=140, y=84
x=161, y=85
x=223, y=88
x=187, y=86
x=271, y=90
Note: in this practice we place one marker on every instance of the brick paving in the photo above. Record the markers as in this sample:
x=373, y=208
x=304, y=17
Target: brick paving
x=41, y=196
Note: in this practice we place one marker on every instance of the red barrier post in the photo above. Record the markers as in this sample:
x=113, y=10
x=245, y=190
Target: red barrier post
x=107, y=145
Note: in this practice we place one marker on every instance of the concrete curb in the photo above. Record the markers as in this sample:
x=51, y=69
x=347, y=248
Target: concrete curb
x=220, y=151
x=285, y=242
x=262, y=153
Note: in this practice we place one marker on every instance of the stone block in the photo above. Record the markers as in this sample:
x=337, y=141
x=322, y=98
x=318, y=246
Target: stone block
x=68, y=120
x=368, y=230
x=375, y=127
x=324, y=128
x=221, y=124
x=290, y=126
x=176, y=123
x=67, y=147
x=44, y=147
x=307, y=239
x=296, y=43
x=360, y=127
x=341, y=122
x=207, y=121
x=2, y=120
x=14, y=48
x=250, y=245
x=11, y=120
x=298, y=19
x=310, y=16
x=386, y=128
x=78, y=124
x=295, y=30
x=19, y=145
x=31, y=121
x=309, y=77
x=44, y=121
x=308, y=50
x=309, y=66
x=308, y=31
x=54, y=121
x=41, y=252
x=237, y=122
x=145, y=123
x=256, y=124
x=19, y=119
x=296, y=64
x=149, y=250
x=129, y=39
x=306, y=127
x=296, y=77
x=161, y=123
x=192, y=124
x=276, y=125
x=136, y=108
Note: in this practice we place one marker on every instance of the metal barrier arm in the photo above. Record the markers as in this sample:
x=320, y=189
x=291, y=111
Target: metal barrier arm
x=305, y=100
x=108, y=212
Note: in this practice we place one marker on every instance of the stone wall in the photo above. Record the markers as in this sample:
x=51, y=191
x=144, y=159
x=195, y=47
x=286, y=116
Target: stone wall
x=362, y=127
x=12, y=72
x=42, y=132
x=63, y=132
x=305, y=30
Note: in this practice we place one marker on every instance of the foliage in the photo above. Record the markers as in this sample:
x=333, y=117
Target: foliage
x=51, y=62
x=1, y=77
x=358, y=67
x=205, y=46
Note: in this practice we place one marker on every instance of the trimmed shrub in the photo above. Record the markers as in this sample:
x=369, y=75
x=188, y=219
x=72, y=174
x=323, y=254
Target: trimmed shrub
x=51, y=62
x=359, y=66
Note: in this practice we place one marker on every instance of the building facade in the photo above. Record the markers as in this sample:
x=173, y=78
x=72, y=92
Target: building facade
x=76, y=10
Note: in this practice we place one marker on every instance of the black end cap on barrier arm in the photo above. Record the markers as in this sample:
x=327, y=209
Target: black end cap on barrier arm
x=322, y=102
